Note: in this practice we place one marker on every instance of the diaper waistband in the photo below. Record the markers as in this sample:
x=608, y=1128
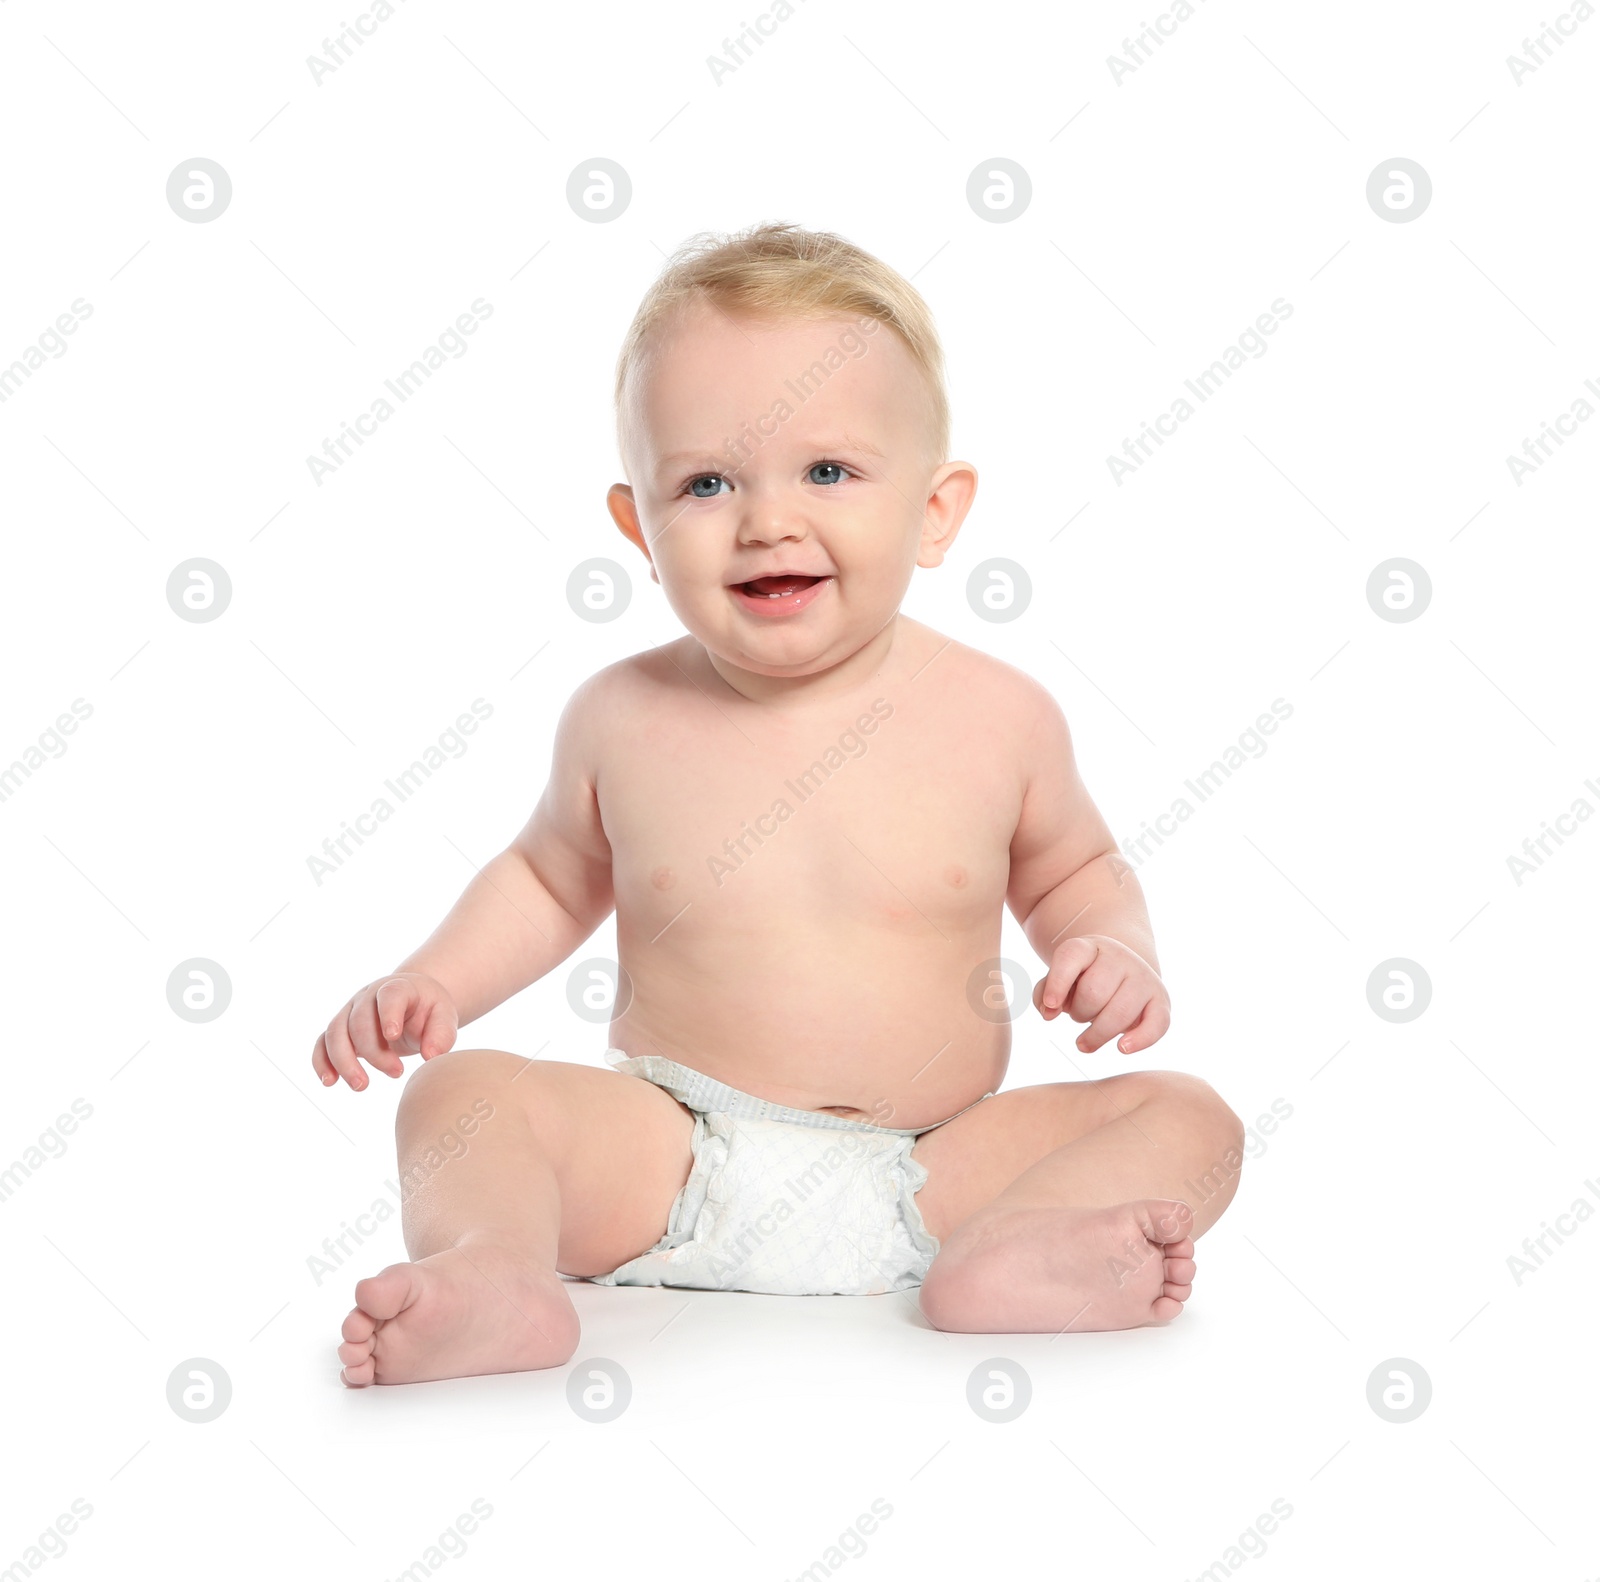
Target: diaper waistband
x=701, y=1092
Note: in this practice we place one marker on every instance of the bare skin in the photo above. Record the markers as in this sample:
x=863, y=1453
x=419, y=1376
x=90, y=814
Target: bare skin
x=808, y=824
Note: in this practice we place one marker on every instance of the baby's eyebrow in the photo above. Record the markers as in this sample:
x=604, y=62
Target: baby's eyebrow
x=680, y=458
x=845, y=443
x=715, y=462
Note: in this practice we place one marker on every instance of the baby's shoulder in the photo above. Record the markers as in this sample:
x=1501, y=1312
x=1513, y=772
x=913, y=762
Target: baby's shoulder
x=982, y=682
x=630, y=686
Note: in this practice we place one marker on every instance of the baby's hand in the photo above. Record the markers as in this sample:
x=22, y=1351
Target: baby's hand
x=1101, y=981
x=407, y=1013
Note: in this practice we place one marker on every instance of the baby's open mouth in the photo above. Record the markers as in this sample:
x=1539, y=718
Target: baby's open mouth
x=777, y=587
x=777, y=597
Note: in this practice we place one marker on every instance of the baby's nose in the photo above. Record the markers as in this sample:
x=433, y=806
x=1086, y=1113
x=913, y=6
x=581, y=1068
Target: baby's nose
x=772, y=524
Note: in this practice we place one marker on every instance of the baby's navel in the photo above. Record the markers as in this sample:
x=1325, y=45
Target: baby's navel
x=955, y=875
x=663, y=878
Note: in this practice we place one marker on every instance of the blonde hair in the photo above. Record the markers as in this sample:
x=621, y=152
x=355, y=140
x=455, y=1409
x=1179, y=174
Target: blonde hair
x=780, y=270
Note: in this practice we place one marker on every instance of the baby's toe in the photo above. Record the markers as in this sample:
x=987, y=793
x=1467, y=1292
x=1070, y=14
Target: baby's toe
x=358, y=1326
x=1178, y=1292
x=354, y=1352
x=388, y=1292
x=1179, y=1270
x=1165, y=1220
x=1164, y=1309
x=358, y=1375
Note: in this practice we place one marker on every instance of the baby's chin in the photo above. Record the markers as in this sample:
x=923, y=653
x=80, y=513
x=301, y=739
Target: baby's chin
x=791, y=652
x=790, y=656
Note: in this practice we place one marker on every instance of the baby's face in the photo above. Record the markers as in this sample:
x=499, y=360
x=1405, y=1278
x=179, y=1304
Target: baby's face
x=783, y=506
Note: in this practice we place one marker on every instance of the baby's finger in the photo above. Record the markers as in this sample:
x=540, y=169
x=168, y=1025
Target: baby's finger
x=437, y=1031
x=367, y=1036
x=1097, y=985
x=342, y=1053
x=394, y=1002
x=1157, y=1018
x=414, y=1029
x=1068, y=963
x=320, y=1062
x=1121, y=1011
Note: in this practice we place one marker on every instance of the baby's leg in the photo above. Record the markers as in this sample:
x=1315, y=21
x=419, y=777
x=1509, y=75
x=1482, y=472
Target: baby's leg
x=1074, y=1205
x=513, y=1169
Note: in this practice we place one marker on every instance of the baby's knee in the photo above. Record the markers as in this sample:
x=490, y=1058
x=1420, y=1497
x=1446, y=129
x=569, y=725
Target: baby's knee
x=1216, y=1112
x=1215, y=1116
x=445, y=1078
x=1207, y=1114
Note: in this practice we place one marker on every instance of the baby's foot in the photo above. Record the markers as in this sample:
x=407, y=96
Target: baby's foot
x=470, y=1309
x=1044, y=1270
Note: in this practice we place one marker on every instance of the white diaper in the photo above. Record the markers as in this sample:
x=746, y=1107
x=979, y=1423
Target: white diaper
x=785, y=1201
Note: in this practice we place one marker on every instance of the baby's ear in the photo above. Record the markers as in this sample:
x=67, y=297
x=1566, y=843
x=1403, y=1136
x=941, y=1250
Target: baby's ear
x=620, y=503
x=950, y=493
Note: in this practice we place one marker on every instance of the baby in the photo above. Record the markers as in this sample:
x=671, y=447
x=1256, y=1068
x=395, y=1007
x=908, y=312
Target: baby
x=808, y=813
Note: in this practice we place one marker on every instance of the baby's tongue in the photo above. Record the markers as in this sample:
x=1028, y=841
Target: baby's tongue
x=779, y=585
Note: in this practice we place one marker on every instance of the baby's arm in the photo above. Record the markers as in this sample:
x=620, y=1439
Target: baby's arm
x=525, y=912
x=1078, y=900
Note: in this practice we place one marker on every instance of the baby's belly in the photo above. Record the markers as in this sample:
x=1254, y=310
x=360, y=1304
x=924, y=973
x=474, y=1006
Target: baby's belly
x=880, y=1025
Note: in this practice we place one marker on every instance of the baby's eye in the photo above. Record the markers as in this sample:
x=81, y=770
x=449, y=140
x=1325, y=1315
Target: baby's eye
x=707, y=486
x=832, y=467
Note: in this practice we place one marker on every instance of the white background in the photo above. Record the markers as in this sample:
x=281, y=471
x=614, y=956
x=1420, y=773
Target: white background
x=368, y=611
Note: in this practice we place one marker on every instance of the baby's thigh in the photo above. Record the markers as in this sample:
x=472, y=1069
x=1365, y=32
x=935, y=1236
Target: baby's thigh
x=972, y=1159
x=618, y=1147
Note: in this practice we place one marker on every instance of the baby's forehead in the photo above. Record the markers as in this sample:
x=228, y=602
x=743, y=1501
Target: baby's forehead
x=705, y=353
x=707, y=369
x=701, y=320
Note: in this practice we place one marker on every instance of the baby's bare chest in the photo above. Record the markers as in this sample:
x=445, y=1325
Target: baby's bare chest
x=888, y=815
